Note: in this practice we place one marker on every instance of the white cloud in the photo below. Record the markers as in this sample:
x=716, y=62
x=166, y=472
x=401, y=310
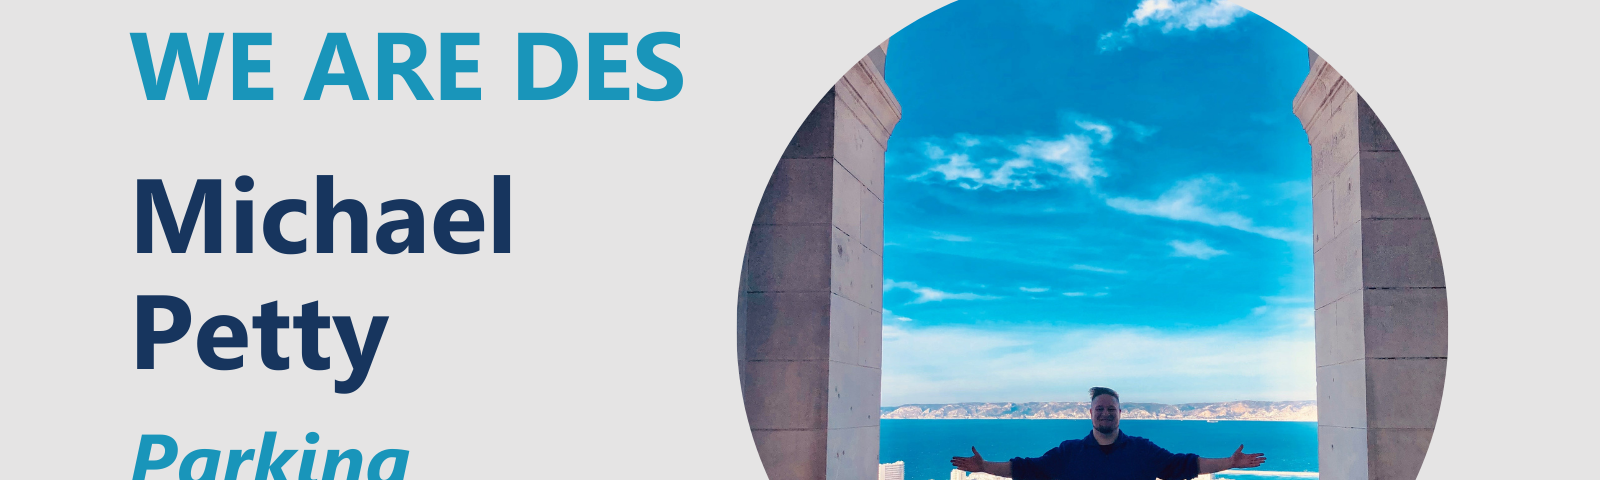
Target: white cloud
x=963, y=364
x=1277, y=300
x=950, y=238
x=1196, y=249
x=890, y=284
x=925, y=294
x=1018, y=163
x=1100, y=129
x=1082, y=294
x=1140, y=132
x=1186, y=201
x=1035, y=289
x=1092, y=268
x=1285, y=312
x=888, y=315
x=1170, y=15
x=1186, y=14
x=1114, y=40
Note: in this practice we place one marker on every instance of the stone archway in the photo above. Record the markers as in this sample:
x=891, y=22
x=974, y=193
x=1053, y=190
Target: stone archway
x=1380, y=293
x=810, y=295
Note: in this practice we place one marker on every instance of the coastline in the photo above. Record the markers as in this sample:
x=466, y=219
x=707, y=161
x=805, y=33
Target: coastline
x=1125, y=419
x=1237, y=410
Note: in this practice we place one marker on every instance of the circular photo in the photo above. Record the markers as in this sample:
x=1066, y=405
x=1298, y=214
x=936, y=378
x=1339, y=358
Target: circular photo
x=1083, y=240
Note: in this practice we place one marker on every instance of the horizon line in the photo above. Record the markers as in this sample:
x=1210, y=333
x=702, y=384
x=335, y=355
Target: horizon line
x=1064, y=401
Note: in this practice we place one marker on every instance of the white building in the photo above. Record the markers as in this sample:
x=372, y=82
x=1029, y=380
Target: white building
x=892, y=471
x=960, y=475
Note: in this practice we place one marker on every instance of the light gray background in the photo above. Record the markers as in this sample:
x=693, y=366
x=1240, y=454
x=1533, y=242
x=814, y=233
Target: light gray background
x=604, y=344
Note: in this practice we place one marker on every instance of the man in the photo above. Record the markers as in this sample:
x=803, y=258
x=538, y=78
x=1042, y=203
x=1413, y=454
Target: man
x=1108, y=454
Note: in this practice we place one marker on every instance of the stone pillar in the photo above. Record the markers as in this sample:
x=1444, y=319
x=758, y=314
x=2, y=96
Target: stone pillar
x=1380, y=293
x=811, y=294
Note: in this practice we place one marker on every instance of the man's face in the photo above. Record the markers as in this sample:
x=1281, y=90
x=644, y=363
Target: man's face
x=1106, y=412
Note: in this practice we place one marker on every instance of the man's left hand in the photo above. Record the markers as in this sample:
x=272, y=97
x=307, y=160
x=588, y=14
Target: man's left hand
x=1247, y=460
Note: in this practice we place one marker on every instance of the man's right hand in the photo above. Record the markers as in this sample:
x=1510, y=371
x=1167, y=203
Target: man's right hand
x=973, y=463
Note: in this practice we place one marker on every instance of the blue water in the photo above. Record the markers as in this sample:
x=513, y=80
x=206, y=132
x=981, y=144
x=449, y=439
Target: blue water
x=927, y=445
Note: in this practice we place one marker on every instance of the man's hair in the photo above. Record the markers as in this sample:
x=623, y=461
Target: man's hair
x=1098, y=391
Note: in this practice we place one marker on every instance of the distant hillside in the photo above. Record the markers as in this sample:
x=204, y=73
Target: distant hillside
x=1300, y=411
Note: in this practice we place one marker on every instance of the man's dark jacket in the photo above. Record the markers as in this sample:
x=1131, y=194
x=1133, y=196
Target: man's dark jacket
x=1128, y=458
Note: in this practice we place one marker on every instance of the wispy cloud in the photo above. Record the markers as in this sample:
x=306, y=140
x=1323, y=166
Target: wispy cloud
x=963, y=364
x=890, y=316
x=1187, y=201
x=1285, y=312
x=1169, y=16
x=926, y=294
x=1092, y=268
x=1140, y=132
x=950, y=238
x=1035, y=289
x=1196, y=249
x=1097, y=128
x=1018, y=163
x=1074, y=294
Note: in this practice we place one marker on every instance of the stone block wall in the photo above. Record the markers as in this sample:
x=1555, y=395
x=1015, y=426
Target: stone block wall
x=811, y=294
x=1380, y=293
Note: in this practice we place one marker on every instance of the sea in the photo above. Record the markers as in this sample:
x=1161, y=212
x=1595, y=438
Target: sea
x=927, y=445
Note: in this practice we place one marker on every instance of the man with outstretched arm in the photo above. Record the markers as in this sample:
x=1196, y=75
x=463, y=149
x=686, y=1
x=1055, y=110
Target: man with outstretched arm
x=1108, y=454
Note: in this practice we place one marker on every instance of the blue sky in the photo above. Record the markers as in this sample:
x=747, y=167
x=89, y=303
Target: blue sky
x=1097, y=193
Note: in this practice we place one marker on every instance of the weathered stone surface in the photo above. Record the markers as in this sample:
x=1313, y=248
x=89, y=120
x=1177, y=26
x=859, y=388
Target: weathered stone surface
x=1374, y=137
x=855, y=332
x=1340, y=390
x=1397, y=453
x=789, y=258
x=853, y=453
x=744, y=294
x=853, y=395
x=1380, y=298
x=857, y=272
x=873, y=289
x=810, y=299
x=871, y=100
x=1387, y=188
x=1408, y=322
x=859, y=151
x=1337, y=267
x=785, y=394
x=1322, y=229
x=846, y=195
x=1333, y=138
x=1339, y=330
x=1346, y=201
x=859, y=144
x=1404, y=392
x=793, y=454
x=1400, y=253
x=798, y=193
x=877, y=57
x=787, y=325
x=1314, y=92
x=871, y=222
x=1341, y=453
x=814, y=139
